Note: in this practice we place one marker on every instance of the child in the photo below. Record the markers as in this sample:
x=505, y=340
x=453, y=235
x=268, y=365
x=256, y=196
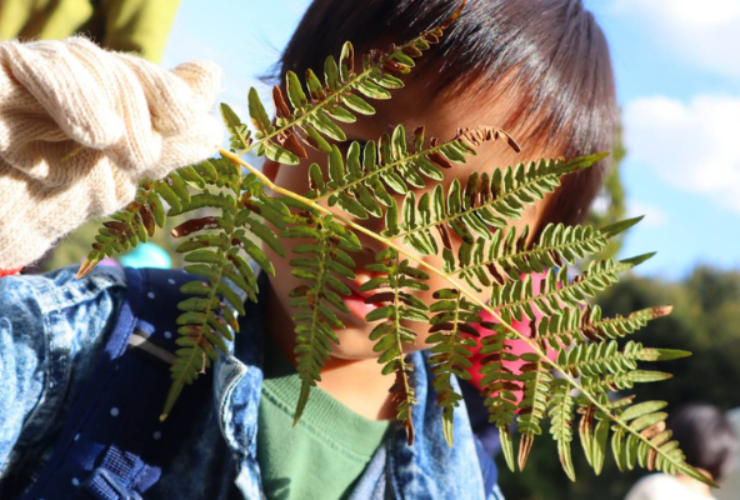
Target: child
x=540, y=69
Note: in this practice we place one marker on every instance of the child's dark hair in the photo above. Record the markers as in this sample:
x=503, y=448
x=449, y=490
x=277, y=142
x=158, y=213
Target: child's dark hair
x=550, y=53
x=706, y=437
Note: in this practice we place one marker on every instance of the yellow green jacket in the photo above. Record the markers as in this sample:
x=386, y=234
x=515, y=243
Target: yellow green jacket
x=139, y=26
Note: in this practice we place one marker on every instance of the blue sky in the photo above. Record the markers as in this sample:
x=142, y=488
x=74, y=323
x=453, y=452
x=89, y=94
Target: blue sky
x=678, y=83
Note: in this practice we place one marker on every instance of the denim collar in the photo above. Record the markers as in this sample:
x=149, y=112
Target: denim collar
x=427, y=469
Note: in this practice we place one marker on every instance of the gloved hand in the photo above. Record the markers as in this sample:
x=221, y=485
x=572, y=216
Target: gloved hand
x=125, y=118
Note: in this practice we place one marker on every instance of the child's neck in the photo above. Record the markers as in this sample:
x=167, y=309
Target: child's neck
x=357, y=384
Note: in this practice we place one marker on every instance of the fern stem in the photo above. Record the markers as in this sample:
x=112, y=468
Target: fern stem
x=402, y=367
x=472, y=296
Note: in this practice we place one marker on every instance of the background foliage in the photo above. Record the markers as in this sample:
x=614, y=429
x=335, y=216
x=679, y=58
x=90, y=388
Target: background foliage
x=611, y=204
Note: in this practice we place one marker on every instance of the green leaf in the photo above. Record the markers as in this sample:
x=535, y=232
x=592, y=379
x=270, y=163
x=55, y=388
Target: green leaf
x=336, y=167
x=598, y=453
x=636, y=261
x=203, y=255
x=340, y=114
x=663, y=354
x=331, y=73
x=316, y=178
x=156, y=208
x=387, y=81
x=279, y=154
x=316, y=140
x=358, y=104
x=620, y=227
x=315, y=90
x=297, y=97
x=267, y=235
x=641, y=409
x=239, y=132
x=323, y=124
x=507, y=447
x=398, y=142
x=302, y=401
x=169, y=195
x=257, y=113
x=372, y=90
x=346, y=61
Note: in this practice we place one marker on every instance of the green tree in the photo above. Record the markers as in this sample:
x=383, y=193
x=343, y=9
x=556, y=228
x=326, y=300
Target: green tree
x=610, y=206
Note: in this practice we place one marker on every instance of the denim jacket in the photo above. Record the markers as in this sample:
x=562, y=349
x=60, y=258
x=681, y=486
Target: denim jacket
x=51, y=329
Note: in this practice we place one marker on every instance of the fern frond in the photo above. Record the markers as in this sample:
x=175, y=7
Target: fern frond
x=322, y=263
x=561, y=423
x=506, y=253
x=595, y=359
x=451, y=349
x=240, y=137
x=593, y=431
x=536, y=381
x=492, y=256
x=396, y=304
x=486, y=202
x=499, y=385
x=514, y=300
x=309, y=114
x=644, y=441
x=404, y=398
x=202, y=328
x=139, y=220
x=360, y=182
x=208, y=317
x=136, y=223
x=581, y=324
x=620, y=381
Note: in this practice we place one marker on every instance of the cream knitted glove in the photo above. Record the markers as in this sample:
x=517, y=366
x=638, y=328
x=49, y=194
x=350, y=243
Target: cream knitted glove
x=128, y=118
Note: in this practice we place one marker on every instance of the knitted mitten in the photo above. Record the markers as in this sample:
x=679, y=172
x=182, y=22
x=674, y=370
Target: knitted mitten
x=126, y=118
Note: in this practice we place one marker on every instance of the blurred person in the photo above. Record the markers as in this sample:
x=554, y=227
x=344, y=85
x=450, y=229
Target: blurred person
x=709, y=441
x=137, y=26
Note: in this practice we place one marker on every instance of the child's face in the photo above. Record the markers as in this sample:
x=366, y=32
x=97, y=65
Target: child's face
x=441, y=119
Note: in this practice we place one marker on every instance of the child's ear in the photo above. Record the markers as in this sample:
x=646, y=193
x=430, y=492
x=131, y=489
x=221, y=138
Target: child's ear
x=270, y=169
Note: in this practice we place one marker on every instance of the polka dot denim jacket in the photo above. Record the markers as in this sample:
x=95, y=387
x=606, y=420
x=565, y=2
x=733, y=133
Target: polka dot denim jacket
x=53, y=326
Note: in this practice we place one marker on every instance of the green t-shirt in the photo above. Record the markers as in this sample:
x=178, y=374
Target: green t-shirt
x=321, y=457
